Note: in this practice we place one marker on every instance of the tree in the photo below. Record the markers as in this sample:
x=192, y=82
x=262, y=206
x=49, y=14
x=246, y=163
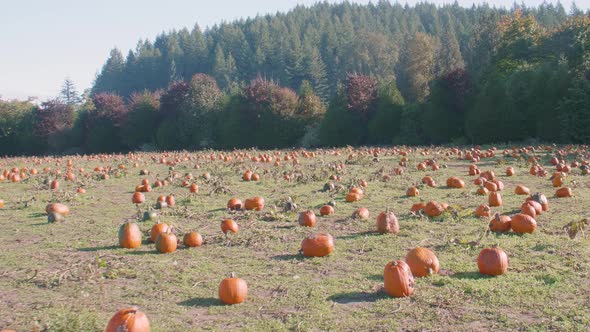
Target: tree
x=105, y=116
x=141, y=123
x=111, y=76
x=418, y=65
x=53, y=122
x=575, y=113
x=68, y=93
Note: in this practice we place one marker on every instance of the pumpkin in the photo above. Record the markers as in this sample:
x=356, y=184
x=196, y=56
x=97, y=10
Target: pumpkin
x=541, y=199
x=422, y=262
x=234, y=204
x=483, y=211
x=193, y=188
x=1, y=203
x=166, y=242
x=495, y=199
x=57, y=208
x=387, y=222
x=129, y=235
x=491, y=186
x=433, y=209
x=137, y=198
x=492, y=261
x=129, y=320
x=170, y=201
x=192, y=239
x=522, y=223
x=229, y=225
x=317, y=245
x=54, y=185
x=326, y=210
x=482, y=191
x=247, y=176
x=538, y=208
x=564, y=192
x=256, y=203
x=417, y=207
x=522, y=190
x=233, y=290
x=307, y=218
x=528, y=209
x=500, y=223
x=353, y=197
x=398, y=279
x=412, y=192
x=509, y=171
x=361, y=213
x=557, y=181
x=157, y=229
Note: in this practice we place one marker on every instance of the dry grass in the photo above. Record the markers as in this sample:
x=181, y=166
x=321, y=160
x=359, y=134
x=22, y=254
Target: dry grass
x=72, y=276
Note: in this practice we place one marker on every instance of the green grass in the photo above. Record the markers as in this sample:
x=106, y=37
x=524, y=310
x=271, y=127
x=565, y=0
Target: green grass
x=73, y=276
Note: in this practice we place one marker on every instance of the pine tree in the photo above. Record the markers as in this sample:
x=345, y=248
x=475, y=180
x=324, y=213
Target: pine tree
x=68, y=93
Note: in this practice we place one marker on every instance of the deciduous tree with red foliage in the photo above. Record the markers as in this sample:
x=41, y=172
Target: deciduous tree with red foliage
x=53, y=120
x=362, y=93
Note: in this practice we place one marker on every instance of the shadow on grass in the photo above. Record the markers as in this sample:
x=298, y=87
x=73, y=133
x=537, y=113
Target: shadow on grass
x=375, y=277
x=285, y=227
x=142, y=253
x=217, y=210
x=352, y=297
x=357, y=235
x=470, y=275
x=37, y=215
x=201, y=302
x=288, y=257
x=91, y=249
x=40, y=224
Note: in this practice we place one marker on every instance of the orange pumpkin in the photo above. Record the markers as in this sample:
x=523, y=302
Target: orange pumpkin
x=522, y=190
x=398, y=279
x=564, y=192
x=361, y=213
x=157, y=229
x=256, y=203
x=307, y=218
x=233, y=290
x=522, y=223
x=166, y=242
x=234, y=204
x=129, y=320
x=192, y=239
x=483, y=211
x=433, y=209
x=492, y=261
x=326, y=210
x=422, y=262
x=129, y=235
x=229, y=225
x=500, y=223
x=495, y=199
x=387, y=222
x=317, y=245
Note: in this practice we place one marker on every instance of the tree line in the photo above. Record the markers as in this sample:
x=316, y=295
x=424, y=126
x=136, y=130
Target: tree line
x=385, y=74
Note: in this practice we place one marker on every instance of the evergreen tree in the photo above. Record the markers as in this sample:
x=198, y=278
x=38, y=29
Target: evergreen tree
x=68, y=93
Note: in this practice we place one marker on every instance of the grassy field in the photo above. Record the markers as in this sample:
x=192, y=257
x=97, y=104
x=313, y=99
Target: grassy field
x=72, y=276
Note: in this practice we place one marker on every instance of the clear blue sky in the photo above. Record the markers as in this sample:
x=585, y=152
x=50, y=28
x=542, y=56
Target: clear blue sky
x=44, y=41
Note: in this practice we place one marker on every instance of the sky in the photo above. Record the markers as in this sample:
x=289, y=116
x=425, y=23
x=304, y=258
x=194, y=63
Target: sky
x=43, y=42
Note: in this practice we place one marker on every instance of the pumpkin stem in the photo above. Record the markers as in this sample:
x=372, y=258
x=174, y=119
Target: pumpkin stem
x=394, y=263
x=232, y=275
x=430, y=271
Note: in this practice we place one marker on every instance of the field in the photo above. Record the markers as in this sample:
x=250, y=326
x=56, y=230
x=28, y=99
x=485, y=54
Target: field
x=73, y=276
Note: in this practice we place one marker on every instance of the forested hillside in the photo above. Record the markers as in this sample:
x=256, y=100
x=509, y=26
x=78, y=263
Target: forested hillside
x=332, y=75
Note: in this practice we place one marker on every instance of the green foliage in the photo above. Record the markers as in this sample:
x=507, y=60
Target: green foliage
x=16, y=128
x=141, y=123
x=385, y=124
x=575, y=113
x=411, y=131
x=340, y=126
